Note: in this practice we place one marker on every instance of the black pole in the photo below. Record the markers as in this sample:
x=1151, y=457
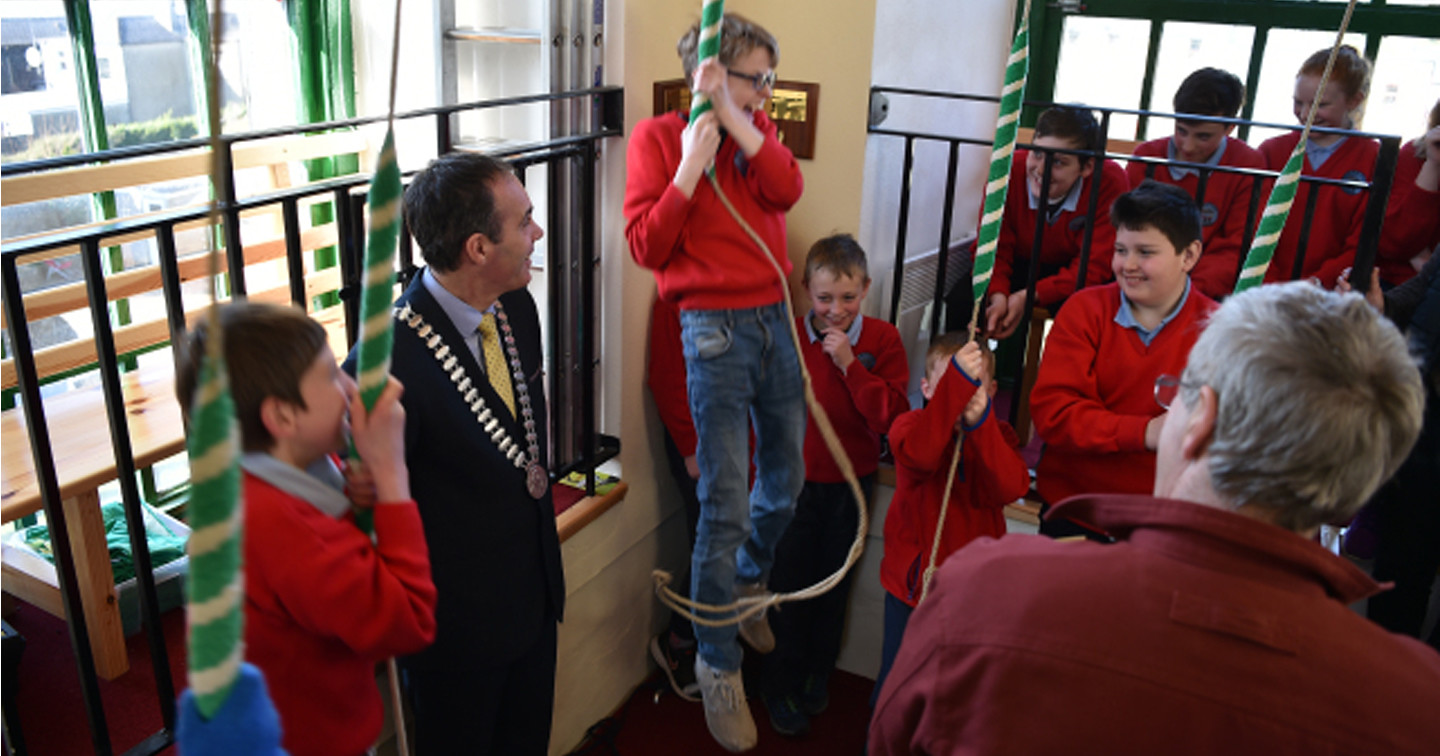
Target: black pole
x=945, y=222
x=902, y=229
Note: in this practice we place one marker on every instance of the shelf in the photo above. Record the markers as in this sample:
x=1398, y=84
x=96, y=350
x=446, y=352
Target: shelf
x=495, y=35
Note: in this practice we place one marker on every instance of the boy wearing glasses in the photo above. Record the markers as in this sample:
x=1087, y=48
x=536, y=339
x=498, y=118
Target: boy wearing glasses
x=1094, y=401
x=740, y=359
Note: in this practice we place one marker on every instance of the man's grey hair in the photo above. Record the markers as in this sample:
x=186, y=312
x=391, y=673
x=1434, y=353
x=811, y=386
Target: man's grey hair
x=1319, y=402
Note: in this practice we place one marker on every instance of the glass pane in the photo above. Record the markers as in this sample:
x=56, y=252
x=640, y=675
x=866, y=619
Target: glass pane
x=1405, y=86
x=1285, y=51
x=38, y=100
x=142, y=61
x=257, y=66
x=1102, y=64
x=1186, y=47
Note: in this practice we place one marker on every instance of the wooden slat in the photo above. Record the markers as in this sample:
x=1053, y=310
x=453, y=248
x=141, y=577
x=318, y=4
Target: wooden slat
x=124, y=174
x=129, y=283
x=585, y=511
x=96, y=584
x=81, y=352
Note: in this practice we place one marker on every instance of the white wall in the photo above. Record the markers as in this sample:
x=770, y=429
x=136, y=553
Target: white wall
x=939, y=45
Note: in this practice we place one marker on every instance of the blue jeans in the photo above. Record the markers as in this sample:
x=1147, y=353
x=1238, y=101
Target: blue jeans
x=897, y=617
x=741, y=368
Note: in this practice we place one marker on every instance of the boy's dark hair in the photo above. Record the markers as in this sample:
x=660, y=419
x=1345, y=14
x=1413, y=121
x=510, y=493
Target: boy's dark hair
x=1074, y=123
x=738, y=36
x=1165, y=208
x=449, y=201
x=268, y=348
x=1210, y=92
x=840, y=254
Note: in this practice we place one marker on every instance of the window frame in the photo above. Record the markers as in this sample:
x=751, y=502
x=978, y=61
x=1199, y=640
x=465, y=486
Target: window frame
x=1375, y=19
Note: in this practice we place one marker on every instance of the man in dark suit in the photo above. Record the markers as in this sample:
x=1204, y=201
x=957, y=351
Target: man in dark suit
x=467, y=349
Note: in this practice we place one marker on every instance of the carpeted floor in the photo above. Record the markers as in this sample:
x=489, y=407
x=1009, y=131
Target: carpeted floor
x=665, y=725
x=52, y=712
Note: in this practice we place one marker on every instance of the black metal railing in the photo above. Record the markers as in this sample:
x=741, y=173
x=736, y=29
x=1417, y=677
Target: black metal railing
x=1377, y=190
x=576, y=444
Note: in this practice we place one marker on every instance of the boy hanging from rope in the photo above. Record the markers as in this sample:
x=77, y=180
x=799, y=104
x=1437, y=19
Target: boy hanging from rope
x=739, y=355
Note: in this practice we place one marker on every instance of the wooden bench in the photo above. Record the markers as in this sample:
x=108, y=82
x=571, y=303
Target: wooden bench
x=83, y=451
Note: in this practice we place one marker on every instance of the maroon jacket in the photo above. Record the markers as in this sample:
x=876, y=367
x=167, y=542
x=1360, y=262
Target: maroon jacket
x=1200, y=632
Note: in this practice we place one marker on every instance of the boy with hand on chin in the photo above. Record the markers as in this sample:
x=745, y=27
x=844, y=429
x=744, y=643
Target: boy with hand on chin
x=1095, y=398
x=859, y=373
x=323, y=602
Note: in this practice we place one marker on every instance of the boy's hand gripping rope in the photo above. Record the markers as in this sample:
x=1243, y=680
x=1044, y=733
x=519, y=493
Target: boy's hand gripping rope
x=1007, y=124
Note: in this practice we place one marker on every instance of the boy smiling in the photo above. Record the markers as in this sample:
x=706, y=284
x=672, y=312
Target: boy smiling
x=1094, y=402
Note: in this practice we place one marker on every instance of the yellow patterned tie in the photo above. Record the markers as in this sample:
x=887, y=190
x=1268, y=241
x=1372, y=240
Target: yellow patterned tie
x=495, y=366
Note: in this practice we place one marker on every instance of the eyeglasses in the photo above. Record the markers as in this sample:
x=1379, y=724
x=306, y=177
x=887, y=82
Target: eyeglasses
x=761, y=81
x=1167, y=387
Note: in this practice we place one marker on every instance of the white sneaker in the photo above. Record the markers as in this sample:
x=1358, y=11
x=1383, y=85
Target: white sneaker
x=756, y=629
x=726, y=713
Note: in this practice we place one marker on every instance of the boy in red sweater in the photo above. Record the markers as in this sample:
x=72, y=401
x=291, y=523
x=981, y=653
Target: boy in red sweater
x=859, y=372
x=740, y=359
x=1412, y=218
x=957, y=389
x=1339, y=211
x=1066, y=206
x=1226, y=202
x=1094, y=398
x=323, y=602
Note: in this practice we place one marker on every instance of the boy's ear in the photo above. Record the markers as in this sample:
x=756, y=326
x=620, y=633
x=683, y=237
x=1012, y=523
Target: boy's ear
x=1190, y=255
x=278, y=417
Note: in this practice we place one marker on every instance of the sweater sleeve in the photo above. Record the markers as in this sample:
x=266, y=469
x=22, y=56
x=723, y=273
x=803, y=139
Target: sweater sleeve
x=1065, y=402
x=655, y=211
x=997, y=473
x=377, y=599
x=1412, y=217
x=1005, y=248
x=879, y=394
x=922, y=442
x=667, y=376
x=1401, y=301
x=774, y=176
x=1052, y=289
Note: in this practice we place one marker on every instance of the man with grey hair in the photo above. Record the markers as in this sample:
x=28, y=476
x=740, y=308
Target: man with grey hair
x=1215, y=624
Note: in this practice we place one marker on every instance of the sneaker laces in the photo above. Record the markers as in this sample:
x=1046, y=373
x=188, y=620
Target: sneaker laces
x=724, y=693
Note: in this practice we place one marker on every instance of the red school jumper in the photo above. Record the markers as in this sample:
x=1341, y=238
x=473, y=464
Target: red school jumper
x=1335, y=228
x=1063, y=236
x=1222, y=217
x=323, y=605
x=1096, y=392
x=702, y=258
x=991, y=475
x=861, y=402
x=1412, y=220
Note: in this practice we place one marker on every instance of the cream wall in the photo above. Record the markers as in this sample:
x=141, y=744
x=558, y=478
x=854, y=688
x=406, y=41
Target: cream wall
x=610, y=614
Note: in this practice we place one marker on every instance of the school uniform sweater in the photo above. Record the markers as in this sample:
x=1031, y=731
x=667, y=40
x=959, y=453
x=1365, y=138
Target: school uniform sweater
x=702, y=258
x=323, y=605
x=666, y=376
x=1339, y=212
x=991, y=474
x=1095, y=393
x=1412, y=220
x=1223, y=213
x=861, y=402
x=1061, y=241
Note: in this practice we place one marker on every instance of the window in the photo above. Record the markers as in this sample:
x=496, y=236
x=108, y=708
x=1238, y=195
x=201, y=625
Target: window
x=1134, y=53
